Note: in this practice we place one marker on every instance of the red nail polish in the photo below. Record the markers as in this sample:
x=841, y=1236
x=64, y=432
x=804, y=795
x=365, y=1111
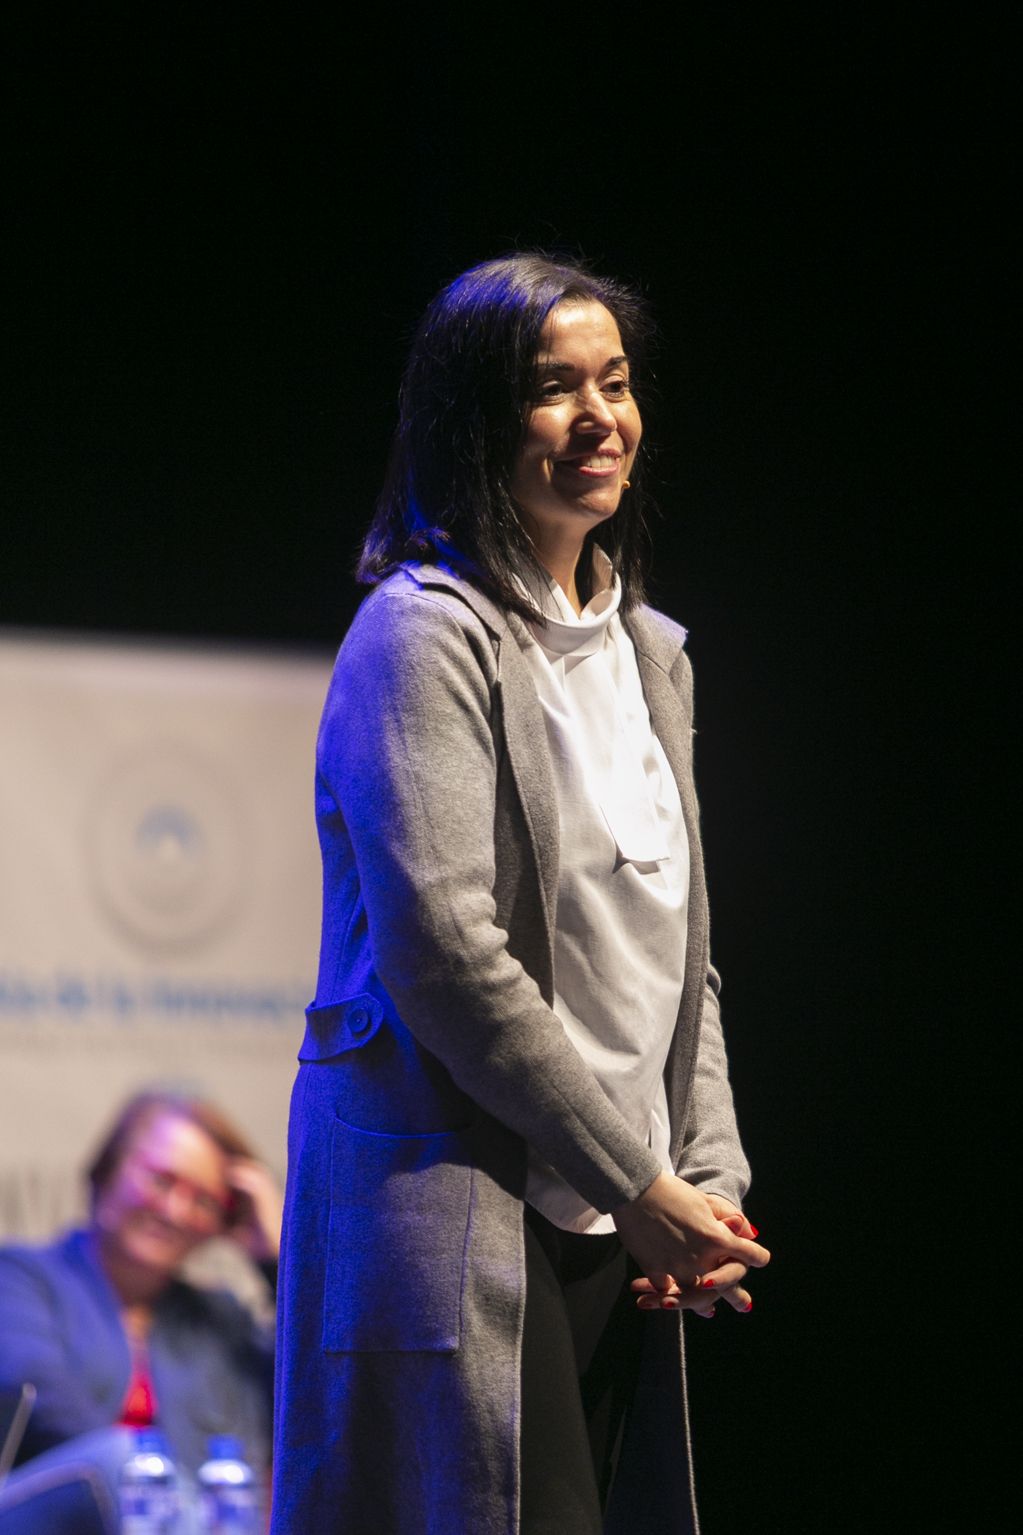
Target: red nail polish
x=748, y=1307
x=754, y=1230
x=669, y=1303
x=708, y=1284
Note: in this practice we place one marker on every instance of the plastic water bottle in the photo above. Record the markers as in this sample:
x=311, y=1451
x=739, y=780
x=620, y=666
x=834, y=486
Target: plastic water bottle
x=150, y=1496
x=230, y=1500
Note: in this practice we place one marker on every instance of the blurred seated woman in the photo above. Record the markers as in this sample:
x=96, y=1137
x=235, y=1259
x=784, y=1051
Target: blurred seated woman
x=104, y=1328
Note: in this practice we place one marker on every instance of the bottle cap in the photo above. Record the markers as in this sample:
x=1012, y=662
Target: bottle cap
x=153, y=1440
x=224, y=1447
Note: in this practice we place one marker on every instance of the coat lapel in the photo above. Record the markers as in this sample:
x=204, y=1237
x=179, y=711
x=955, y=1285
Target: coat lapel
x=658, y=645
x=657, y=651
x=525, y=735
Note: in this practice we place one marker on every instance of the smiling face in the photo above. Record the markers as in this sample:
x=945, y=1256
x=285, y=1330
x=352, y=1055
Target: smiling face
x=168, y=1193
x=583, y=429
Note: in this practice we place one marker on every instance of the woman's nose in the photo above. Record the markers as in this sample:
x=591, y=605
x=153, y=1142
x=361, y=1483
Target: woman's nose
x=595, y=413
x=177, y=1204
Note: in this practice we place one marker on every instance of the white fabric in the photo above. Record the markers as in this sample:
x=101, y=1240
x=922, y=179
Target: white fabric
x=620, y=939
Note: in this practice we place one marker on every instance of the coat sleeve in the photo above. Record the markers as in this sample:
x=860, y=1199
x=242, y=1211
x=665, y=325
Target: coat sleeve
x=712, y=1154
x=407, y=754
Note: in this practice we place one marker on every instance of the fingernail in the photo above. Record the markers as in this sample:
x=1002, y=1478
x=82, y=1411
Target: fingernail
x=748, y=1307
x=709, y=1284
x=669, y=1303
x=753, y=1228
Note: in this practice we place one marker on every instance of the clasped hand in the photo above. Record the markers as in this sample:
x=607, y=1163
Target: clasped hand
x=693, y=1248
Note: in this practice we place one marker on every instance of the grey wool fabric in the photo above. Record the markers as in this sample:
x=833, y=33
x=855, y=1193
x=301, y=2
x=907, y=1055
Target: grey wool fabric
x=432, y=1057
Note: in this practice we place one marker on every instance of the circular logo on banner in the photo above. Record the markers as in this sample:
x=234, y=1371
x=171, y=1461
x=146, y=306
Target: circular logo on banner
x=167, y=848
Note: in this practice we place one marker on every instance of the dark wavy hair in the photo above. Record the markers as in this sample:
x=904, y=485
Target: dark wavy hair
x=464, y=403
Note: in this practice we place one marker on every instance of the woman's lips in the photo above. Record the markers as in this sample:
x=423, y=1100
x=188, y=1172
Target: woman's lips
x=591, y=466
x=155, y=1226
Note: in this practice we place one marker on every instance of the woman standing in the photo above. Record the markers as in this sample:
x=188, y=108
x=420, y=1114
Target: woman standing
x=513, y=1077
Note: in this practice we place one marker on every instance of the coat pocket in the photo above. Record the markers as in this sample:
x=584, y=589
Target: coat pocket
x=399, y=1221
x=334, y=1028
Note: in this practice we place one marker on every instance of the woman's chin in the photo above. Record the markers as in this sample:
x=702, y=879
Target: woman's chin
x=159, y=1252
x=572, y=515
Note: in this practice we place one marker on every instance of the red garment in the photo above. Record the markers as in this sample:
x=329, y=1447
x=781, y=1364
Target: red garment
x=139, y=1409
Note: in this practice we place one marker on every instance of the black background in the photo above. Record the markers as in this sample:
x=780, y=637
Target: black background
x=223, y=223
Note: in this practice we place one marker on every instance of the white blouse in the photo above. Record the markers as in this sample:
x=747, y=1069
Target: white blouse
x=620, y=933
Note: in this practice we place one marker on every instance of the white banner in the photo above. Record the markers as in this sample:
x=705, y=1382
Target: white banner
x=159, y=895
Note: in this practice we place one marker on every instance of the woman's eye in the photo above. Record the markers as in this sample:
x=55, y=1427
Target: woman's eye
x=555, y=388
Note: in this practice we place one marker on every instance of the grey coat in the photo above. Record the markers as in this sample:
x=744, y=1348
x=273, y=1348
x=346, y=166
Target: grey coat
x=432, y=1056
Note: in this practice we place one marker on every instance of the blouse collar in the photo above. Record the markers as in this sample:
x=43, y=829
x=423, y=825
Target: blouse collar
x=565, y=631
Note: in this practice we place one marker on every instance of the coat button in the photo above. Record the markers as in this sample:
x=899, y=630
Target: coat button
x=358, y=1020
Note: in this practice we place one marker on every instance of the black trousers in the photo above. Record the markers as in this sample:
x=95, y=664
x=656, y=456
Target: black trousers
x=581, y=1349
